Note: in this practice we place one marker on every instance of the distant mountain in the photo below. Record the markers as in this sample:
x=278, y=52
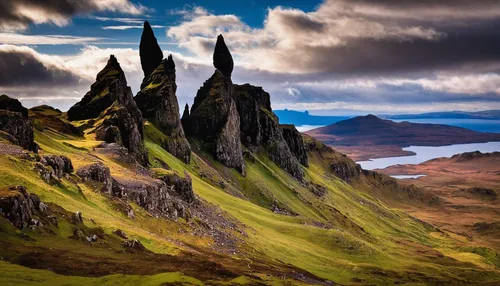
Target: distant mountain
x=300, y=118
x=487, y=114
x=371, y=130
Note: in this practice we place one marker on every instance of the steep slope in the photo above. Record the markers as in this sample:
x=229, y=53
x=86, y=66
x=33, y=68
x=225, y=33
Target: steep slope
x=109, y=111
x=158, y=103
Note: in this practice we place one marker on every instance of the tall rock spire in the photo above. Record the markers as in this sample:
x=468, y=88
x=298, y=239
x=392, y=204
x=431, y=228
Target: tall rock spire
x=149, y=50
x=223, y=61
x=158, y=103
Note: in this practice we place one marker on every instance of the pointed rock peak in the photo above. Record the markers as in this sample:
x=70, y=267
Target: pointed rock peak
x=223, y=61
x=112, y=69
x=170, y=65
x=185, y=114
x=149, y=50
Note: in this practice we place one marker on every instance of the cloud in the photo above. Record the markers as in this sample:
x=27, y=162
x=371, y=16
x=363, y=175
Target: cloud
x=128, y=27
x=18, y=14
x=23, y=66
x=20, y=39
x=353, y=38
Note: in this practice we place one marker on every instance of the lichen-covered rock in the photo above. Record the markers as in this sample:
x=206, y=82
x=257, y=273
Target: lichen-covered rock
x=149, y=50
x=18, y=206
x=223, y=61
x=97, y=172
x=183, y=187
x=215, y=119
x=110, y=101
x=295, y=142
x=15, y=125
x=158, y=103
x=60, y=164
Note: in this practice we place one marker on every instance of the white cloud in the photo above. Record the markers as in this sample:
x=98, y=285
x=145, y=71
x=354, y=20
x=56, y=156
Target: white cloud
x=128, y=27
x=20, y=39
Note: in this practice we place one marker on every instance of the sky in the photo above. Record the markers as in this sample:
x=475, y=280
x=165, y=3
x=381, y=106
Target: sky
x=334, y=57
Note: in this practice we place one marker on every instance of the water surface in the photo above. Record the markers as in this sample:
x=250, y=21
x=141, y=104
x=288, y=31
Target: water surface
x=425, y=153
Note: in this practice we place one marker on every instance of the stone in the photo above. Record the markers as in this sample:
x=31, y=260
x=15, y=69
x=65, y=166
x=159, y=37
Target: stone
x=18, y=206
x=120, y=233
x=17, y=129
x=158, y=103
x=134, y=244
x=223, y=61
x=110, y=134
x=77, y=217
x=60, y=165
x=149, y=50
x=181, y=186
x=97, y=172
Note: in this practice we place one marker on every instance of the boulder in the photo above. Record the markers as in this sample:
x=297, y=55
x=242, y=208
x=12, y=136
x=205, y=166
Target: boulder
x=111, y=103
x=149, y=50
x=18, y=206
x=183, y=187
x=97, y=172
x=158, y=103
x=120, y=233
x=60, y=164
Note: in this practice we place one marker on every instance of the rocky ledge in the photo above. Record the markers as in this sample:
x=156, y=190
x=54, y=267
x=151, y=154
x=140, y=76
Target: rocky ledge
x=15, y=125
x=18, y=206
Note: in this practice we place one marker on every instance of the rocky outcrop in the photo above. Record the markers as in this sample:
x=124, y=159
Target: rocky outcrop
x=215, y=119
x=149, y=50
x=18, y=206
x=158, y=103
x=12, y=104
x=17, y=129
x=183, y=187
x=60, y=165
x=97, y=172
x=260, y=127
x=111, y=103
x=295, y=142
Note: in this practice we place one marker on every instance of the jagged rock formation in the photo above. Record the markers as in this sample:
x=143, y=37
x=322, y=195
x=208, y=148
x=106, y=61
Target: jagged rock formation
x=149, y=50
x=260, y=127
x=18, y=206
x=15, y=126
x=223, y=61
x=215, y=119
x=111, y=103
x=185, y=114
x=182, y=186
x=158, y=103
x=295, y=142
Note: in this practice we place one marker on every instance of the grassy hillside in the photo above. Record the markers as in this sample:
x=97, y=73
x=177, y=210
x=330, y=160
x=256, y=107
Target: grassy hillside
x=264, y=228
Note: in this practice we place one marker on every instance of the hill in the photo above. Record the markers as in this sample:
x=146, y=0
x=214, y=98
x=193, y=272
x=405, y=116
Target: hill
x=224, y=195
x=366, y=137
x=304, y=118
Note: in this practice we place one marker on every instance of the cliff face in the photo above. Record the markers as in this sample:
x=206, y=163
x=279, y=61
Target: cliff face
x=15, y=126
x=214, y=119
x=111, y=103
x=158, y=103
x=149, y=50
x=295, y=142
x=260, y=127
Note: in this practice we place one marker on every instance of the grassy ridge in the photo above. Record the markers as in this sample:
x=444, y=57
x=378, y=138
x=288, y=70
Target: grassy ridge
x=343, y=235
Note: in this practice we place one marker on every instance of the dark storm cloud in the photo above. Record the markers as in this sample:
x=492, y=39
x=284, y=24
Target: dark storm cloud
x=22, y=68
x=18, y=14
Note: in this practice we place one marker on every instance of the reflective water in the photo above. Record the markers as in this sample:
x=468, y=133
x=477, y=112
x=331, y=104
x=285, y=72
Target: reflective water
x=407, y=176
x=425, y=153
